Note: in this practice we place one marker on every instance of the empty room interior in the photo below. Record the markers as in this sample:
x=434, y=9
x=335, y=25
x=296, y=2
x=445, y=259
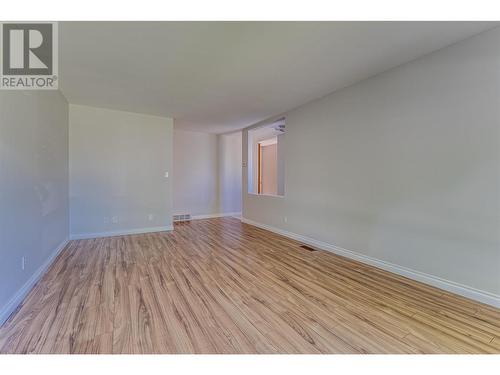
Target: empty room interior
x=250, y=188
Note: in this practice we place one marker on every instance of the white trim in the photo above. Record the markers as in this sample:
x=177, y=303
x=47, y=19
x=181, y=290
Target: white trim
x=269, y=141
x=266, y=195
x=211, y=216
x=84, y=236
x=19, y=296
x=450, y=286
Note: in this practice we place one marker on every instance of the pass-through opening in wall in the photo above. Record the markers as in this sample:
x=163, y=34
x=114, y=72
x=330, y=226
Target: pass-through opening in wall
x=266, y=172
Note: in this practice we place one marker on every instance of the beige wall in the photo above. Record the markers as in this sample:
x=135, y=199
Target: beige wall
x=269, y=169
x=118, y=162
x=280, y=167
x=402, y=168
x=33, y=188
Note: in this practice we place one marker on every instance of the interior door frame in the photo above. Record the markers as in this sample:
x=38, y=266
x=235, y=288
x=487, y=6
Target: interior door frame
x=259, y=169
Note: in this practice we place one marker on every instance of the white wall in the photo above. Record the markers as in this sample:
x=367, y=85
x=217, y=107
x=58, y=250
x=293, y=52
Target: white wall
x=195, y=173
x=229, y=153
x=33, y=188
x=402, y=167
x=118, y=162
x=207, y=173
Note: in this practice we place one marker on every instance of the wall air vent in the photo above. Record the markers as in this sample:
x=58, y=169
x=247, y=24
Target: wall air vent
x=184, y=217
x=279, y=125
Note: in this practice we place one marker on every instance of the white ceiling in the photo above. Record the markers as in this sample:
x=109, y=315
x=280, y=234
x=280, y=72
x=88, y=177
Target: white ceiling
x=222, y=76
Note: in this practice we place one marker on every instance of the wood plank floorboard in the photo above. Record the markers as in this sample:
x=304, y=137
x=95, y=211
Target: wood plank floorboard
x=221, y=286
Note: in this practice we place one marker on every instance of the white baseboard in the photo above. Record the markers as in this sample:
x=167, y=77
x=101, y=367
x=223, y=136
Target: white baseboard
x=16, y=300
x=450, y=286
x=211, y=216
x=84, y=236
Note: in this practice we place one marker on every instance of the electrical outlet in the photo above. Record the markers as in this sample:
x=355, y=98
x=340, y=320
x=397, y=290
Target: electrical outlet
x=23, y=263
x=115, y=219
x=285, y=219
x=166, y=174
x=150, y=217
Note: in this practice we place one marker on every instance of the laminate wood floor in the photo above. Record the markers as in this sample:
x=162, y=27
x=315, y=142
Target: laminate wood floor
x=220, y=286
